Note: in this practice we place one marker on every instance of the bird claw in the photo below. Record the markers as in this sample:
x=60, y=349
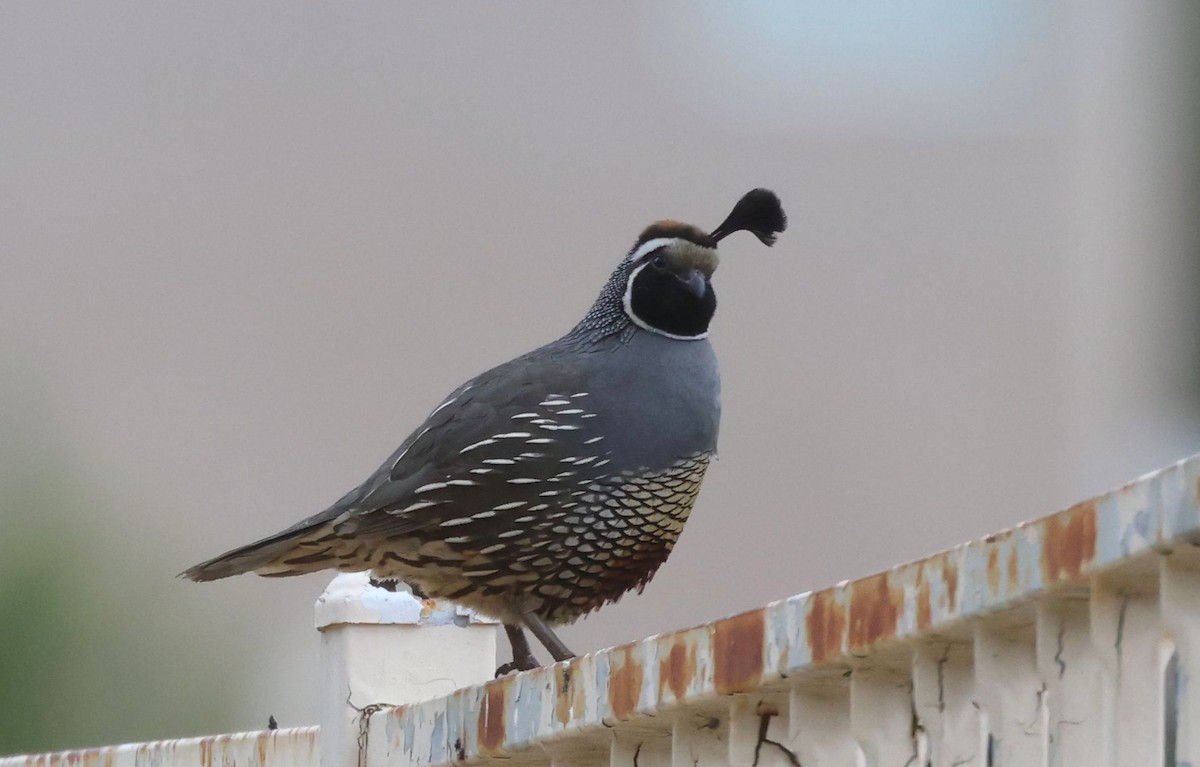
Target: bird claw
x=525, y=663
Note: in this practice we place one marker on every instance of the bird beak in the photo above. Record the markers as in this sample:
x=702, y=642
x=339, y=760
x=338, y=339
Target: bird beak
x=696, y=282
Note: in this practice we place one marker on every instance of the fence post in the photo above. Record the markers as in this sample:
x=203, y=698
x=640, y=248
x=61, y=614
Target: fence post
x=381, y=648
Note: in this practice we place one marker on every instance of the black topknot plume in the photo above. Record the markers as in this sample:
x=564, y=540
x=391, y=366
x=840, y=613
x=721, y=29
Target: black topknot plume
x=759, y=213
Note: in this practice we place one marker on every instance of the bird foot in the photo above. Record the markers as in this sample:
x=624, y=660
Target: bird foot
x=518, y=663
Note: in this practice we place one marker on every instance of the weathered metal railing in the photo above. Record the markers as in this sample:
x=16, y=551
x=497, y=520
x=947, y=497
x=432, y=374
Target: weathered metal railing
x=1070, y=640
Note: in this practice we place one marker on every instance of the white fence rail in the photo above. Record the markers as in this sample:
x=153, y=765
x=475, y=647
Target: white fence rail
x=1070, y=640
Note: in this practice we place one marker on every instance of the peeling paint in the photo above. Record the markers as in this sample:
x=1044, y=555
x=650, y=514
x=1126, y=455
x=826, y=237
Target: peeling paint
x=624, y=683
x=950, y=578
x=579, y=700
x=492, y=717
x=993, y=569
x=924, y=605
x=562, y=683
x=285, y=748
x=676, y=671
x=826, y=624
x=738, y=651
x=1069, y=543
x=875, y=608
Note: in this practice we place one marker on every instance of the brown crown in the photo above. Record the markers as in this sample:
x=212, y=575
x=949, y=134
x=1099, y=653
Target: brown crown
x=668, y=228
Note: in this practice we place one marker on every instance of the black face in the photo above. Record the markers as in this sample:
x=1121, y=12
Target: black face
x=672, y=299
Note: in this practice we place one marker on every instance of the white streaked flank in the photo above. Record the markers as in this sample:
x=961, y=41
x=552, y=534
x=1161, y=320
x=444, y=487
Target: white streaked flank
x=400, y=457
x=473, y=445
x=445, y=404
x=418, y=506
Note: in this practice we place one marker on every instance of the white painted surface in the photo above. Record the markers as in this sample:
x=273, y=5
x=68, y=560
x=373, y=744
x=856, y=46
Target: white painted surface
x=381, y=648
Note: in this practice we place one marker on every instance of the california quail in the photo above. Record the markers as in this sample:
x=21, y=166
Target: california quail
x=554, y=483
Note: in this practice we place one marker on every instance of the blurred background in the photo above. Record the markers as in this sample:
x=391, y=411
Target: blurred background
x=246, y=247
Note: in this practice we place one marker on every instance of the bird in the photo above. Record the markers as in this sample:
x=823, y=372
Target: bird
x=556, y=482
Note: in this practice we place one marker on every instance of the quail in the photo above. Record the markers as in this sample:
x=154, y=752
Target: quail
x=552, y=484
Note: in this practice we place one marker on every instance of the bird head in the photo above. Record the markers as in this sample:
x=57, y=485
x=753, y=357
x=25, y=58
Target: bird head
x=668, y=287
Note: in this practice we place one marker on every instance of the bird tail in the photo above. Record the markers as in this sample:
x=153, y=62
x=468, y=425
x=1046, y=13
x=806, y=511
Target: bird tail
x=295, y=551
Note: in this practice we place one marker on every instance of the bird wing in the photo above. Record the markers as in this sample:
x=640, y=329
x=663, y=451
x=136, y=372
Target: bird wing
x=470, y=467
x=482, y=453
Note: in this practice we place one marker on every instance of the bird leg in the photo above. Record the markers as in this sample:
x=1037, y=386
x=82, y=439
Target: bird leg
x=523, y=658
x=547, y=637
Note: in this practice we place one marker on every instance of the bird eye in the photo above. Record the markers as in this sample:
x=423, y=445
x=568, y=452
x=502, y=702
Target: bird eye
x=659, y=261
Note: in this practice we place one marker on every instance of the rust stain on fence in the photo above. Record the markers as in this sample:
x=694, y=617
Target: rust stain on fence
x=924, y=599
x=677, y=670
x=492, y=717
x=261, y=747
x=950, y=578
x=625, y=684
x=562, y=681
x=254, y=749
x=738, y=651
x=993, y=568
x=1069, y=543
x=875, y=608
x=826, y=624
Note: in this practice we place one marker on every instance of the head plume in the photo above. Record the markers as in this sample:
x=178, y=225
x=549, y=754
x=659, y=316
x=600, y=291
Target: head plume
x=759, y=213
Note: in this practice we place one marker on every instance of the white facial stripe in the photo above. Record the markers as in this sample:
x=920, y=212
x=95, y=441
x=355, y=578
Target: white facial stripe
x=651, y=245
x=627, y=302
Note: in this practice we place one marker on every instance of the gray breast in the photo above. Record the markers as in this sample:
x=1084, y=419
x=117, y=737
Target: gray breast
x=657, y=399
